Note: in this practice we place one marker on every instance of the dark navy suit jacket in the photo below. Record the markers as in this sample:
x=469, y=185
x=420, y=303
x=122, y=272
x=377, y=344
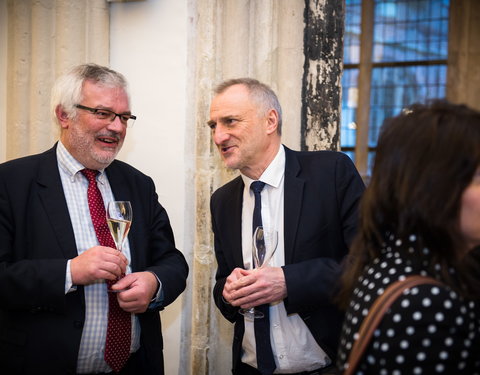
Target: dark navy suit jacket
x=322, y=191
x=40, y=325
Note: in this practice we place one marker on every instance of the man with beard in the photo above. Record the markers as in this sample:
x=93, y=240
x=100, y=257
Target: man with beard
x=57, y=261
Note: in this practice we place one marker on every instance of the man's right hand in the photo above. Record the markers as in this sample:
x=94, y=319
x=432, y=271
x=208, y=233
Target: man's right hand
x=231, y=285
x=98, y=262
x=250, y=288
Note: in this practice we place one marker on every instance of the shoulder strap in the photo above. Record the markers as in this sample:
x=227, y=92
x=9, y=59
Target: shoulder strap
x=376, y=313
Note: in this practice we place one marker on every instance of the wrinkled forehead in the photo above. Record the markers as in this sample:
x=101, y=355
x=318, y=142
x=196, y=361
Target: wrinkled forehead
x=237, y=96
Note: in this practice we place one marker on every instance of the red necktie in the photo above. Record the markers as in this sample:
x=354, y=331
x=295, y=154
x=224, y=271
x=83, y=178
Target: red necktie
x=117, y=345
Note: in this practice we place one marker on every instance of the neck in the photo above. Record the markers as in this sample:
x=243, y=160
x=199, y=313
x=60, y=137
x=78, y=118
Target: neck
x=255, y=172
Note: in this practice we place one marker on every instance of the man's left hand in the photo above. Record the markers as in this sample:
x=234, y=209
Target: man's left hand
x=139, y=289
x=260, y=286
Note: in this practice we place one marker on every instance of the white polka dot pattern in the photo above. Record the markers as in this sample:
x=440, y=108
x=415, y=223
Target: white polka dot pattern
x=117, y=345
x=428, y=330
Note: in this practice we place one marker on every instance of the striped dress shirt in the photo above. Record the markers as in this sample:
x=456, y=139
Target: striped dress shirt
x=92, y=345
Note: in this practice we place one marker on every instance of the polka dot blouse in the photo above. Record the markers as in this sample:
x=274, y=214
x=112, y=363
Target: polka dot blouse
x=428, y=330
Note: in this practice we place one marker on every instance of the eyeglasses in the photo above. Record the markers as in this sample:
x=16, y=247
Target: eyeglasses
x=106, y=114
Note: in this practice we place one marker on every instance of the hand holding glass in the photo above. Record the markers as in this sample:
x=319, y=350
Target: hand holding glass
x=119, y=219
x=264, y=245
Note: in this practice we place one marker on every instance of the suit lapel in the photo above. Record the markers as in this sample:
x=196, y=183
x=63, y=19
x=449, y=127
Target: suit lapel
x=121, y=192
x=51, y=195
x=233, y=210
x=120, y=188
x=293, y=197
x=237, y=202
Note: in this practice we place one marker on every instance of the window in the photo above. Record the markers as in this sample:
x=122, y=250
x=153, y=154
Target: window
x=395, y=54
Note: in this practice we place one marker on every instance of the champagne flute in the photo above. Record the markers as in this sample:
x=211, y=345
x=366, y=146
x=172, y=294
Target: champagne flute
x=265, y=243
x=119, y=220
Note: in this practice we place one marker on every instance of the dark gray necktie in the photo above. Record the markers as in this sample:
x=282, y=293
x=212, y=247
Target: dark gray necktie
x=265, y=361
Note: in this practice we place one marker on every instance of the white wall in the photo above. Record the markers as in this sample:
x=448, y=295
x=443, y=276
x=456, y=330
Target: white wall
x=148, y=45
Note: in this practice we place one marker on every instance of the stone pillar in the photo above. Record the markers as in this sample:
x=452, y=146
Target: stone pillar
x=44, y=38
x=321, y=86
x=463, y=74
x=3, y=79
x=203, y=47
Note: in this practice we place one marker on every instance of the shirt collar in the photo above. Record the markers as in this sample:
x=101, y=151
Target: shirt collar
x=71, y=166
x=273, y=175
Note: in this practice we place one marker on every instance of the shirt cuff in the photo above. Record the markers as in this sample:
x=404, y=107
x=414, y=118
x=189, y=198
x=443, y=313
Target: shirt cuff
x=69, y=287
x=157, y=299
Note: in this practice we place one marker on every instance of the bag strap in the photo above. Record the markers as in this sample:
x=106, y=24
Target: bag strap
x=376, y=313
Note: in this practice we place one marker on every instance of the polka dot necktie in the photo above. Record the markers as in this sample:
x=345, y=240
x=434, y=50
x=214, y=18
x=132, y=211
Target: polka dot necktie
x=265, y=361
x=119, y=328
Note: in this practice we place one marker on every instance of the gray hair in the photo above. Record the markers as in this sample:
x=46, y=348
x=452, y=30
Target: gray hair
x=67, y=90
x=261, y=93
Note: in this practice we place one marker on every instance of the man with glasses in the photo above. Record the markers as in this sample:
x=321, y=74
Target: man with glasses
x=70, y=303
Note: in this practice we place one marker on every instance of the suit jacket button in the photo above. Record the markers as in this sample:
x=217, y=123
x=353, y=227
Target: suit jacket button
x=78, y=324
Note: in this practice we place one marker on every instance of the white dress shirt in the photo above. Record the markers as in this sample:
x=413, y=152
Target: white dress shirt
x=75, y=185
x=294, y=347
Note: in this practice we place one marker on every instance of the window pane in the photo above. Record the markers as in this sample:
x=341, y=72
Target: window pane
x=348, y=128
x=352, y=31
x=394, y=88
x=410, y=30
x=350, y=154
x=371, y=160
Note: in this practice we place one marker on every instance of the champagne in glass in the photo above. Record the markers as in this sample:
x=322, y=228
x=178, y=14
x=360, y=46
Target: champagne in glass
x=265, y=243
x=119, y=219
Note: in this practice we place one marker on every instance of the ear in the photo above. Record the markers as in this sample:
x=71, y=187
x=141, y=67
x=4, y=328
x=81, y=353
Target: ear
x=62, y=116
x=272, y=121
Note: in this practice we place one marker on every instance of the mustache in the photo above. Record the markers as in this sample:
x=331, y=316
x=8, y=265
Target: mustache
x=109, y=134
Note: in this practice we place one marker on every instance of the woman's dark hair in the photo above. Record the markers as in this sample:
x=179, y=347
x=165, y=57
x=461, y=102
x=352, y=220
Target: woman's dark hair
x=425, y=158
